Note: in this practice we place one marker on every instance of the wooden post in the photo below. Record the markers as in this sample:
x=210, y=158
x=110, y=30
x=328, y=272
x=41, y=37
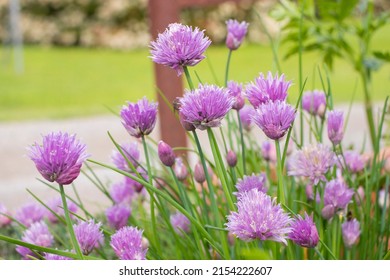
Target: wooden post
x=161, y=14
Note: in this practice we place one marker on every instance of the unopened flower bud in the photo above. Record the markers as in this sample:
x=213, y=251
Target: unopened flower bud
x=231, y=158
x=328, y=212
x=180, y=169
x=166, y=154
x=199, y=175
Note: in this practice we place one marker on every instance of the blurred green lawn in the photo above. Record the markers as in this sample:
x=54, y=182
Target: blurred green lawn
x=68, y=82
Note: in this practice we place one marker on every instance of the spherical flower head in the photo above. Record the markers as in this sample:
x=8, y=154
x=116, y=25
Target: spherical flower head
x=259, y=217
x=139, y=118
x=304, y=232
x=59, y=158
x=235, y=90
x=179, y=46
x=118, y=216
x=236, y=32
x=180, y=169
x=127, y=244
x=246, y=117
x=351, y=232
x=354, y=161
x=335, y=126
x=30, y=213
x=248, y=183
x=205, y=106
x=131, y=151
x=38, y=234
x=166, y=154
x=55, y=204
x=4, y=220
x=274, y=118
x=314, y=102
x=122, y=192
x=54, y=257
x=180, y=223
x=313, y=162
x=267, y=89
x=88, y=235
x=337, y=194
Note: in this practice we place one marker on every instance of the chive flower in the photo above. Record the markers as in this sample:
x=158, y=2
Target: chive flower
x=30, y=213
x=335, y=126
x=351, y=232
x=235, y=90
x=59, y=158
x=127, y=244
x=180, y=223
x=236, y=32
x=248, y=183
x=179, y=46
x=118, y=215
x=88, y=235
x=314, y=102
x=131, y=151
x=304, y=232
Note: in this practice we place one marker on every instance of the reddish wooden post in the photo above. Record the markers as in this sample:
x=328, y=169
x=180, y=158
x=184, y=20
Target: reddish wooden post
x=161, y=14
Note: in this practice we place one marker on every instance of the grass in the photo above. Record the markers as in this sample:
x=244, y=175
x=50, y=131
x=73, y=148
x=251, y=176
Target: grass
x=68, y=82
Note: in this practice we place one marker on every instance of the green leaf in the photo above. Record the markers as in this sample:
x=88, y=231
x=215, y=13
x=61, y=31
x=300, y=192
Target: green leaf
x=385, y=56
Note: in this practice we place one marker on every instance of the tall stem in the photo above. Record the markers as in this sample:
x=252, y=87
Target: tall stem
x=227, y=67
x=188, y=77
x=242, y=144
x=152, y=210
x=76, y=245
x=281, y=196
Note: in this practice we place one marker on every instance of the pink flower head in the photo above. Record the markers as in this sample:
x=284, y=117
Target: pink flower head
x=118, y=215
x=139, y=118
x=304, y=232
x=351, y=232
x=59, y=158
x=259, y=217
x=38, y=234
x=246, y=117
x=335, y=126
x=30, y=213
x=251, y=182
x=180, y=223
x=236, y=33
x=235, y=90
x=123, y=191
x=206, y=106
x=88, y=235
x=127, y=244
x=314, y=102
x=267, y=89
x=179, y=46
x=274, y=118
x=131, y=151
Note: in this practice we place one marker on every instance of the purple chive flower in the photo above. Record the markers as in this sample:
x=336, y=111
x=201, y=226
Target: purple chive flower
x=30, y=213
x=267, y=89
x=122, y=192
x=55, y=204
x=249, y=183
x=335, y=126
x=131, y=152
x=274, y=118
x=4, y=220
x=314, y=102
x=88, y=235
x=127, y=244
x=180, y=169
x=139, y=118
x=118, y=216
x=206, y=106
x=179, y=46
x=59, y=158
x=54, y=257
x=313, y=162
x=337, y=195
x=304, y=232
x=351, y=232
x=354, y=161
x=236, y=32
x=38, y=234
x=259, y=217
x=199, y=174
x=231, y=158
x=246, y=117
x=180, y=223
x=235, y=90
x=166, y=154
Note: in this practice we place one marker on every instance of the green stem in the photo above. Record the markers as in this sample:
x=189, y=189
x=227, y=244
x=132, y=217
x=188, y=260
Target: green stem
x=188, y=77
x=281, y=195
x=227, y=67
x=152, y=210
x=69, y=224
x=368, y=105
x=319, y=253
x=242, y=143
